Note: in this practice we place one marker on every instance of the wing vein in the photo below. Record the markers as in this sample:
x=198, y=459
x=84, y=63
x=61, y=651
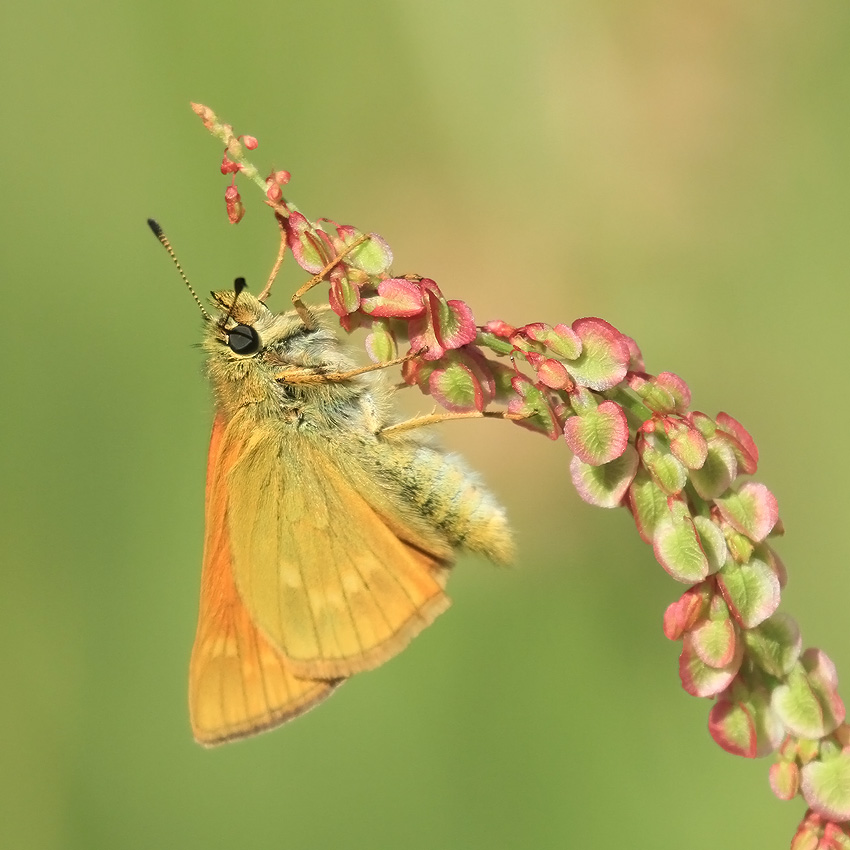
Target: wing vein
x=299, y=560
x=336, y=564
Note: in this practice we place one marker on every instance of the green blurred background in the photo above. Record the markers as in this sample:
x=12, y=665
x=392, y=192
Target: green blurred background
x=681, y=169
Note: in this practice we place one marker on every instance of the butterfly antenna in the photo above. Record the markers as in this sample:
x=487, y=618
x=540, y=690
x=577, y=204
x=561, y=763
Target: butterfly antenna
x=157, y=231
x=239, y=286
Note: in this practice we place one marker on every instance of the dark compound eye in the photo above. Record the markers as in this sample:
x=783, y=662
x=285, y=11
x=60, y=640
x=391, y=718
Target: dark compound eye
x=243, y=339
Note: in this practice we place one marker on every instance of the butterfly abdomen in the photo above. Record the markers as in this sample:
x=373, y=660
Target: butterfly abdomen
x=455, y=502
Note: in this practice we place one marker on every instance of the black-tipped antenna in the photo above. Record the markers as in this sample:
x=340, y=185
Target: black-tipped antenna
x=157, y=231
x=239, y=286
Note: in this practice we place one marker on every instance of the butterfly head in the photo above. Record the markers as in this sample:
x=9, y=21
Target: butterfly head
x=249, y=347
x=245, y=327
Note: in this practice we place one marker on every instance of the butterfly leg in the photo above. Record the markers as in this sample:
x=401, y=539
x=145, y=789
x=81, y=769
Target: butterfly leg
x=317, y=278
x=281, y=253
x=436, y=418
x=299, y=376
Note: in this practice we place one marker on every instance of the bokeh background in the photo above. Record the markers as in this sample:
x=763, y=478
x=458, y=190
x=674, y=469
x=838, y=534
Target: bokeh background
x=681, y=169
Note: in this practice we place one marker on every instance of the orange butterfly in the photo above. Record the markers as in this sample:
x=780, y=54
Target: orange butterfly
x=329, y=532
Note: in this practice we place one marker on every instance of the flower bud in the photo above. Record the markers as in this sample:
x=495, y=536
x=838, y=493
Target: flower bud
x=233, y=201
x=228, y=166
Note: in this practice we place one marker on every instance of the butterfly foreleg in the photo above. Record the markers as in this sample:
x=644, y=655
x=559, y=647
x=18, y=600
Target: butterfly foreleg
x=303, y=376
x=317, y=278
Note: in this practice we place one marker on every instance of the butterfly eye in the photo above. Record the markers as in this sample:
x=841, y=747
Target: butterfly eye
x=243, y=339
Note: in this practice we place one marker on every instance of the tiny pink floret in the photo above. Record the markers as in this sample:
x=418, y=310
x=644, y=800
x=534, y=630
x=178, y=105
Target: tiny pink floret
x=700, y=680
x=605, y=486
x=598, y=436
x=636, y=363
x=233, y=203
x=753, y=510
x=422, y=329
x=681, y=615
x=825, y=786
x=440, y=385
x=462, y=329
x=751, y=591
x=228, y=166
x=732, y=727
x=677, y=548
x=677, y=387
x=734, y=427
x=554, y=374
x=500, y=329
x=604, y=357
x=785, y=779
x=714, y=641
x=305, y=243
x=396, y=298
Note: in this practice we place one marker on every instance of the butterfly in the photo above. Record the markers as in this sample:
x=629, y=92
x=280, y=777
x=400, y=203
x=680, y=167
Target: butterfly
x=330, y=527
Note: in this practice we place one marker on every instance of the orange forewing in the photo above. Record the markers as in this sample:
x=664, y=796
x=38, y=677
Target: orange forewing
x=239, y=682
x=319, y=569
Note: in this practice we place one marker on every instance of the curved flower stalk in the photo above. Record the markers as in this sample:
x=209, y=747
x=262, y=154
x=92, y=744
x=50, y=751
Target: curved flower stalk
x=684, y=476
